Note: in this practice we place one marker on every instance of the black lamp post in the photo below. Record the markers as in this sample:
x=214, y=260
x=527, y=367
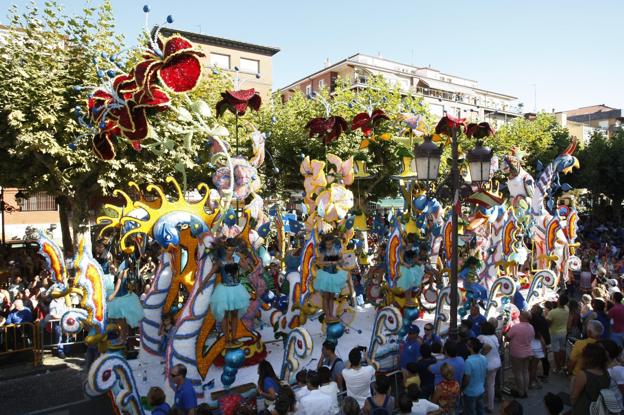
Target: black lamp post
x=427, y=164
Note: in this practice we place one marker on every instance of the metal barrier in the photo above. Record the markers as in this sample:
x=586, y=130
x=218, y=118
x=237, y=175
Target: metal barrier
x=23, y=337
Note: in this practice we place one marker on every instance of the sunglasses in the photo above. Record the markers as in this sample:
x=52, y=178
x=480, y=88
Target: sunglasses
x=174, y=375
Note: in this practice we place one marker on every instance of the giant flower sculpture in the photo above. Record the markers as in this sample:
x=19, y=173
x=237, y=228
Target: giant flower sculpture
x=340, y=171
x=237, y=102
x=173, y=61
x=327, y=129
x=448, y=123
x=367, y=122
x=480, y=130
x=119, y=106
x=314, y=175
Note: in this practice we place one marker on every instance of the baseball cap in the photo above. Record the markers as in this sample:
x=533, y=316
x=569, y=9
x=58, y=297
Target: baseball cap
x=413, y=329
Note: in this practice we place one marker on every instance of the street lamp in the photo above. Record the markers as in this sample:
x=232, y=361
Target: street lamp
x=479, y=160
x=427, y=165
x=427, y=160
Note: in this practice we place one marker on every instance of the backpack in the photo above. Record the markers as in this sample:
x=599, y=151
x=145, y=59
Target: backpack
x=378, y=410
x=606, y=404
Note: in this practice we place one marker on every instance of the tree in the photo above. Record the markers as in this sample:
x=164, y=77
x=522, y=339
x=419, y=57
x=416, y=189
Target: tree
x=46, y=55
x=602, y=169
x=289, y=141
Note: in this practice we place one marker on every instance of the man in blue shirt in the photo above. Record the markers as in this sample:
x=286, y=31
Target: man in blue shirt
x=185, y=398
x=20, y=314
x=476, y=318
x=450, y=351
x=410, y=349
x=475, y=371
x=430, y=337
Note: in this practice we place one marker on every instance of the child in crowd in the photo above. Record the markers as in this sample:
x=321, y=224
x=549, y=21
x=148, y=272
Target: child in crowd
x=156, y=400
x=166, y=326
x=412, y=374
x=446, y=393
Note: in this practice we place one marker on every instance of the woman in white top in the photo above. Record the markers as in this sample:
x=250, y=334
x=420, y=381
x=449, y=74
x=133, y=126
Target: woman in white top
x=492, y=355
x=615, y=369
x=328, y=387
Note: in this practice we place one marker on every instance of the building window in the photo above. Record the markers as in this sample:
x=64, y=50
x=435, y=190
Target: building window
x=308, y=89
x=220, y=61
x=39, y=201
x=321, y=83
x=249, y=65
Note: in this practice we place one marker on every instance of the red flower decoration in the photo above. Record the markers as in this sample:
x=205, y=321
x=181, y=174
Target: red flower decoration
x=447, y=123
x=177, y=67
x=102, y=142
x=238, y=101
x=327, y=129
x=480, y=130
x=368, y=122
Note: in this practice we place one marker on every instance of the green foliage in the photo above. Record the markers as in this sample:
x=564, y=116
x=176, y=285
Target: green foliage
x=289, y=140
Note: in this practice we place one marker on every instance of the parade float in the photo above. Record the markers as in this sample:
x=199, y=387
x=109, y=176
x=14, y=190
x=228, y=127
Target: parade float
x=517, y=246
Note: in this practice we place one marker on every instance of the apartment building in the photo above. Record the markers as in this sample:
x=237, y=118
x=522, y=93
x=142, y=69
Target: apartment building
x=585, y=121
x=254, y=62
x=441, y=91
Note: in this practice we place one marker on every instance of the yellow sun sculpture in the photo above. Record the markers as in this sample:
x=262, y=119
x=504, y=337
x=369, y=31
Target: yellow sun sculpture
x=173, y=223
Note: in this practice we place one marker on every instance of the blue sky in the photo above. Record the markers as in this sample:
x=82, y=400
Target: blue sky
x=568, y=52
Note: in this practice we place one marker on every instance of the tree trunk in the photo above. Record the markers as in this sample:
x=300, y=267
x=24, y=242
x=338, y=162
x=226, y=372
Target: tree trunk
x=64, y=215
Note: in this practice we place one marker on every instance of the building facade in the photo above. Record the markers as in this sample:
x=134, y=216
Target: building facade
x=38, y=210
x=442, y=92
x=254, y=62
x=585, y=121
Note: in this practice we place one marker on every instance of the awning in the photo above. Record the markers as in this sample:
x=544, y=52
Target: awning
x=447, y=86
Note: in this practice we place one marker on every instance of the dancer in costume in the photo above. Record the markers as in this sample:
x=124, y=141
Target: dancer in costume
x=329, y=279
x=230, y=298
x=411, y=271
x=124, y=303
x=469, y=274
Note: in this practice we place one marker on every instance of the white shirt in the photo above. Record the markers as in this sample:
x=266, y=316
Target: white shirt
x=617, y=378
x=316, y=403
x=423, y=407
x=301, y=392
x=493, y=357
x=331, y=390
x=57, y=308
x=358, y=383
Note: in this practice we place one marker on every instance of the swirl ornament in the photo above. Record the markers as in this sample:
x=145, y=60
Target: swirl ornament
x=153, y=306
x=574, y=263
x=55, y=262
x=388, y=322
x=74, y=320
x=444, y=299
x=298, y=348
x=503, y=286
x=111, y=372
x=542, y=279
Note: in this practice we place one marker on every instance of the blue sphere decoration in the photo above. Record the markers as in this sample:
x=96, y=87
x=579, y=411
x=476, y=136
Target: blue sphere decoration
x=111, y=73
x=229, y=371
x=146, y=9
x=170, y=19
x=104, y=55
x=72, y=146
x=282, y=303
x=100, y=74
x=234, y=358
x=274, y=119
x=227, y=380
x=403, y=332
x=335, y=330
x=410, y=314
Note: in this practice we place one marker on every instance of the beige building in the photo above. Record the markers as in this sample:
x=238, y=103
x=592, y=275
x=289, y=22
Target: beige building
x=254, y=62
x=441, y=91
x=38, y=210
x=585, y=121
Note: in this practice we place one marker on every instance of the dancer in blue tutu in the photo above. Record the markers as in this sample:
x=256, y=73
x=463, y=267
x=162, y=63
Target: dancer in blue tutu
x=229, y=298
x=330, y=280
x=124, y=303
x=411, y=271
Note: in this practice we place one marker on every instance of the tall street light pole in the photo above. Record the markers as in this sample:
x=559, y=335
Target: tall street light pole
x=455, y=235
